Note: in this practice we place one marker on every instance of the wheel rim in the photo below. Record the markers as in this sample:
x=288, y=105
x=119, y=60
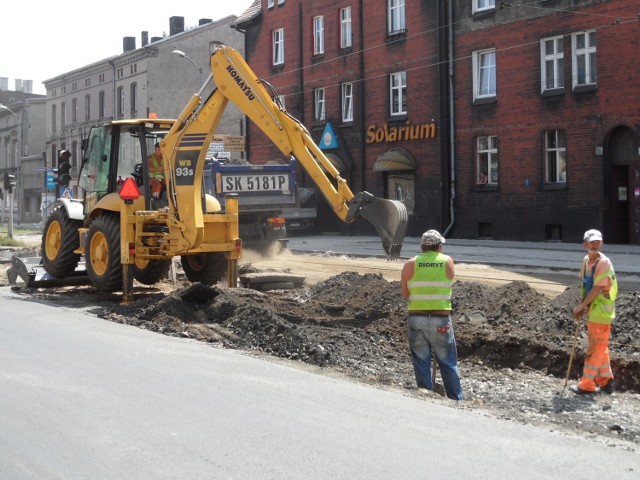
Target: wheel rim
x=141, y=263
x=196, y=262
x=99, y=252
x=53, y=240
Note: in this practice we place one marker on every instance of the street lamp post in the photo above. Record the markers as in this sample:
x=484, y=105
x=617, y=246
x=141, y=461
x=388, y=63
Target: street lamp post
x=180, y=53
x=10, y=193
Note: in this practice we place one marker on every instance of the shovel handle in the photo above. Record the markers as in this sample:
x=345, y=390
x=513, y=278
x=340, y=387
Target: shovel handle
x=573, y=351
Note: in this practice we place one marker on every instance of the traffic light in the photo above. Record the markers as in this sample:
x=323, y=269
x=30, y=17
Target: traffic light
x=63, y=174
x=9, y=182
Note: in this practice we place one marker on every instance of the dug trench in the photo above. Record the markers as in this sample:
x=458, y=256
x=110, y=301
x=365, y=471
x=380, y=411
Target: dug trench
x=514, y=343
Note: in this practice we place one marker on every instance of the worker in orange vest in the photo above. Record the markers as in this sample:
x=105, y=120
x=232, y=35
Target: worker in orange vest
x=599, y=292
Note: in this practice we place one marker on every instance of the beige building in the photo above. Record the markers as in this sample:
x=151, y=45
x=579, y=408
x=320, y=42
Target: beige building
x=139, y=82
x=22, y=146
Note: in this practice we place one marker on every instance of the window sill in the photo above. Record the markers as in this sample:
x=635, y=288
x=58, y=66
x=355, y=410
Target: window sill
x=485, y=100
x=481, y=14
x=555, y=186
x=275, y=69
x=553, y=92
x=486, y=187
x=395, y=36
x=317, y=58
x=592, y=87
x=402, y=117
x=345, y=51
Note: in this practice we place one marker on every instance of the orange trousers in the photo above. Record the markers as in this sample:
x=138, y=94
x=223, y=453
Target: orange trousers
x=597, y=369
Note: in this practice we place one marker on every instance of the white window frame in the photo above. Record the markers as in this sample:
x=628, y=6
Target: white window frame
x=133, y=94
x=487, y=159
x=396, y=16
x=347, y=102
x=319, y=113
x=398, y=93
x=280, y=2
x=584, y=57
x=120, y=105
x=552, y=63
x=485, y=75
x=277, y=46
x=101, y=104
x=270, y=3
x=74, y=110
x=87, y=107
x=555, y=157
x=318, y=35
x=483, y=5
x=345, y=27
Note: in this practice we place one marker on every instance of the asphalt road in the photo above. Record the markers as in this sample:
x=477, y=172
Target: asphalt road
x=82, y=397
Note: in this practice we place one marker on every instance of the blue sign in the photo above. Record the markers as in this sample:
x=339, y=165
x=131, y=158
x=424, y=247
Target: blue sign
x=50, y=184
x=328, y=139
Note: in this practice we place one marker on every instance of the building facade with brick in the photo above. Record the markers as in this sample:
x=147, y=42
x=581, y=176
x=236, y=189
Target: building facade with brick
x=364, y=77
x=547, y=119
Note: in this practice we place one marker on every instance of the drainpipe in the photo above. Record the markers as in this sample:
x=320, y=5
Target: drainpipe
x=452, y=127
x=363, y=115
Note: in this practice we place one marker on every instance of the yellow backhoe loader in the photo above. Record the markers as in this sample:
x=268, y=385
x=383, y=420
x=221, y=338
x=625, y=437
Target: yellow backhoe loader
x=125, y=233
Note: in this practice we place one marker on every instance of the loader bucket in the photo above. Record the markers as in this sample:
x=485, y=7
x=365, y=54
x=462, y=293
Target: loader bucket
x=389, y=217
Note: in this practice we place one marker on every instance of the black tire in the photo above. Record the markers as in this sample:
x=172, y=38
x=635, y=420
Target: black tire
x=102, y=253
x=206, y=268
x=149, y=272
x=59, y=239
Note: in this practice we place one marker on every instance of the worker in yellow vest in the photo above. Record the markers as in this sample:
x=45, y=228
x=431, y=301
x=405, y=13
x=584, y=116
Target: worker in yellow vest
x=427, y=281
x=599, y=291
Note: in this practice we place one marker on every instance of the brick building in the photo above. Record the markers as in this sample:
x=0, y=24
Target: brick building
x=364, y=77
x=531, y=108
x=547, y=116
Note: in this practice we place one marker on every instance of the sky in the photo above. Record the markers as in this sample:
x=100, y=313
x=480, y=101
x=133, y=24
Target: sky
x=42, y=40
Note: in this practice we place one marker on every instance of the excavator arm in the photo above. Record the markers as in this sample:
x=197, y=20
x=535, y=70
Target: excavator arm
x=185, y=146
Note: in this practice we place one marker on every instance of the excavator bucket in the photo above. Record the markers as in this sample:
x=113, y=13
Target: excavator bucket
x=389, y=217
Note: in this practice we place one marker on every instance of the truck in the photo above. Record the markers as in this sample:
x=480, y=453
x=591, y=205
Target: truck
x=265, y=193
x=123, y=232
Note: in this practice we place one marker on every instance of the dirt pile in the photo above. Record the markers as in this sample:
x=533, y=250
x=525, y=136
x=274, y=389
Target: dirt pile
x=353, y=321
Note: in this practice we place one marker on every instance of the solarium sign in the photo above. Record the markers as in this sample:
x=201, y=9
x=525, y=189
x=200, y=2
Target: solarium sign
x=420, y=131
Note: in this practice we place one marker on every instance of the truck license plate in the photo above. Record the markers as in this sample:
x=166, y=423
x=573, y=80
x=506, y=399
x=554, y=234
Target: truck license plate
x=255, y=183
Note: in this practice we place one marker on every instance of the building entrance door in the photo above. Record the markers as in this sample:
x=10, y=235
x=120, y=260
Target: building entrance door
x=624, y=193
x=619, y=204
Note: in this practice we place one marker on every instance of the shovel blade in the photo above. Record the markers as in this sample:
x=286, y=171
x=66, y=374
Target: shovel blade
x=389, y=217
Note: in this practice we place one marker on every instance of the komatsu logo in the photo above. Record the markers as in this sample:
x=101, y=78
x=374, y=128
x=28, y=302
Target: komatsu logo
x=245, y=88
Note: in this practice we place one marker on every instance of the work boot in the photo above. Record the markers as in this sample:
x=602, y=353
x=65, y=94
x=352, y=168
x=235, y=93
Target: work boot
x=608, y=388
x=579, y=391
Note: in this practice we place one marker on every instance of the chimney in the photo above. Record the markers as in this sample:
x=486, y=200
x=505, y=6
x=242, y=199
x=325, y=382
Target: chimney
x=27, y=86
x=128, y=44
x=145, y=39
x=18, y=83
x=176, y=25
x=204, y=21
x=155, y=39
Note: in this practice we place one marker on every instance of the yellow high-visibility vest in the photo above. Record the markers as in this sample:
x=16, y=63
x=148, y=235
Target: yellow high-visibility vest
x=429, y=287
